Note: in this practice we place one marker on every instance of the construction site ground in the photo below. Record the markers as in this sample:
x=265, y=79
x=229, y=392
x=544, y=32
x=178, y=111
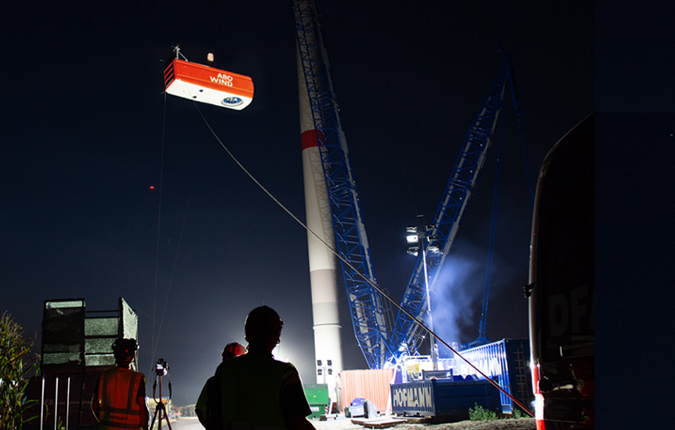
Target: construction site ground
x=423, y=424
x=393, y=423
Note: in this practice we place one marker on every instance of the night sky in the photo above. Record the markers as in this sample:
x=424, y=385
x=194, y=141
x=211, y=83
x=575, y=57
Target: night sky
x=87, y=130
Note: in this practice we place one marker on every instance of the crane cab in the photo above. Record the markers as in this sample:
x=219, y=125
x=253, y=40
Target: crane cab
x=208, y=85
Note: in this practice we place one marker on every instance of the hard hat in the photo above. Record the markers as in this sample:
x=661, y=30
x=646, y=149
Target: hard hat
x=262, y=322
x=233, y=349
x=124, y=349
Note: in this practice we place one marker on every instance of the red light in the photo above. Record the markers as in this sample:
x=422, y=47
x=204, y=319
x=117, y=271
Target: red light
x=152, y=187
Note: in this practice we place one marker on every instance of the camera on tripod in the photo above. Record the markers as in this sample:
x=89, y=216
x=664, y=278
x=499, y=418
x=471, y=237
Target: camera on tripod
x=161, y=367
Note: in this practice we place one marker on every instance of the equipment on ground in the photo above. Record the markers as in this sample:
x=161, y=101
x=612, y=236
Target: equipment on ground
x=161, y=369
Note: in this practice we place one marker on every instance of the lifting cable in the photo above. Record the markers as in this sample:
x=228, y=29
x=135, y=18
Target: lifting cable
x=173, y=271
x=153, y=345
x=158, y=331
x=365, y=278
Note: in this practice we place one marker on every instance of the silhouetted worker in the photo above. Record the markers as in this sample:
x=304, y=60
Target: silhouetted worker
x=208, y=404
x=119, y=396
x=259, y=392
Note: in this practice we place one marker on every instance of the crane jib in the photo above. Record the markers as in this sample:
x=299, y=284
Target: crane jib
x=378, y=338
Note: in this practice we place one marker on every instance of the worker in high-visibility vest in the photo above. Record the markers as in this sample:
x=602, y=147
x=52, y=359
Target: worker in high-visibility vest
x=259, y=392
x=119, y=396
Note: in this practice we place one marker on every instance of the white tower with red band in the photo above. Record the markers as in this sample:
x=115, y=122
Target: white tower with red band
x=322, y=267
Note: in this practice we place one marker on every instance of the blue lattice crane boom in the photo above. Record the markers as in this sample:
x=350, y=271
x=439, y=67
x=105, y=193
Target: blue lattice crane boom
x=446, y=222
x=379, y=339
x=369, y=313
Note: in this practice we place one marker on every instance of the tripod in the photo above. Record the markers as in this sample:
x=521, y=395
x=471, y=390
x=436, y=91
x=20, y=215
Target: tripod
x=160, y=409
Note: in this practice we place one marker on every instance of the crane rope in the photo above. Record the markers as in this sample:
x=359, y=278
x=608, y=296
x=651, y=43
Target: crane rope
x=157, y=332
x=153, y=345
x=345, y=261
x=173, y=270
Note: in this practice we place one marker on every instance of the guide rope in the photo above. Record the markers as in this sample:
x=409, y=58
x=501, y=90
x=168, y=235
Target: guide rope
x=153, y=345
x=156, y=333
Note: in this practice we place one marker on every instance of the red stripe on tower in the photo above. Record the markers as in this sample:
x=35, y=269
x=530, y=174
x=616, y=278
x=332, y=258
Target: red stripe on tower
x=310, y=138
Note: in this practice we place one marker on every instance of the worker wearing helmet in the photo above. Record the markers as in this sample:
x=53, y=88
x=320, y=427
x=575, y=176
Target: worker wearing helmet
x=119, y=396
x=207, y=407
x=259, y=392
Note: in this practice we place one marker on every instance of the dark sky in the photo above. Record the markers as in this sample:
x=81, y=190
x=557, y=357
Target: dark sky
x=635, y=149
x=84, y=130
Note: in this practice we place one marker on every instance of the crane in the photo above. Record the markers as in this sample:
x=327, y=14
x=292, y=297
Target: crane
x=446, y=221
x=379, y=336
x=369, y=312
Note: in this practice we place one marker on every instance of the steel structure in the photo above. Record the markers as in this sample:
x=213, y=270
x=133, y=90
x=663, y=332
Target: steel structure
x=379, y=338
x=445, y=223
x=366, y=306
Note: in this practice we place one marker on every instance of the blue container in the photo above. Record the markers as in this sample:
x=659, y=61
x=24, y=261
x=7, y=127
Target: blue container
x=443, y=398
x=507, y=363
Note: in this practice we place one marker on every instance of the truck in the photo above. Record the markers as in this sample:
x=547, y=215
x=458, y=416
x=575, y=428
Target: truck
x=561, y=284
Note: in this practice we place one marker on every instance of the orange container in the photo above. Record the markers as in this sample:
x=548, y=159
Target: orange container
x=370, y=384
x=208, y=85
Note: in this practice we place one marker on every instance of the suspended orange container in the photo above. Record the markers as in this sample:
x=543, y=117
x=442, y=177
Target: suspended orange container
x=208, y=85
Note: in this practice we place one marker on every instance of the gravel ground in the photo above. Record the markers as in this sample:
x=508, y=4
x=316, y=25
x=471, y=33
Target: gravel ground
x=346, y=424
x=505, y=424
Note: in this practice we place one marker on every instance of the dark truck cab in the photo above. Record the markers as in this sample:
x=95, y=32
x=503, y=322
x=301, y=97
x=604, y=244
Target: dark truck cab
x=560, y=290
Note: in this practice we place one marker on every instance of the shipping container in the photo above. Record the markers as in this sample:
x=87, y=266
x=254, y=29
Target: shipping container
x=505, y=362
x=443, y=398
x=371, y=384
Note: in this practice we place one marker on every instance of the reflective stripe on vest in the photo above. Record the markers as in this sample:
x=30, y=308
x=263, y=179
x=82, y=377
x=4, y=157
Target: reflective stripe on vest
x=117, y=391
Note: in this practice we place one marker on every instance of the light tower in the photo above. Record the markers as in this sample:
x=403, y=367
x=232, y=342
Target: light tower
x=419, y=240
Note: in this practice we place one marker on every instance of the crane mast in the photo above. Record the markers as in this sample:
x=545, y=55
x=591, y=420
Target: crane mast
x=382, y=342
x=366, y=306
x=448, y=216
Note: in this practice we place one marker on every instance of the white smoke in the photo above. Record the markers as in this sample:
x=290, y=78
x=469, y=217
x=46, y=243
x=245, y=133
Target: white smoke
x=457, y=292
